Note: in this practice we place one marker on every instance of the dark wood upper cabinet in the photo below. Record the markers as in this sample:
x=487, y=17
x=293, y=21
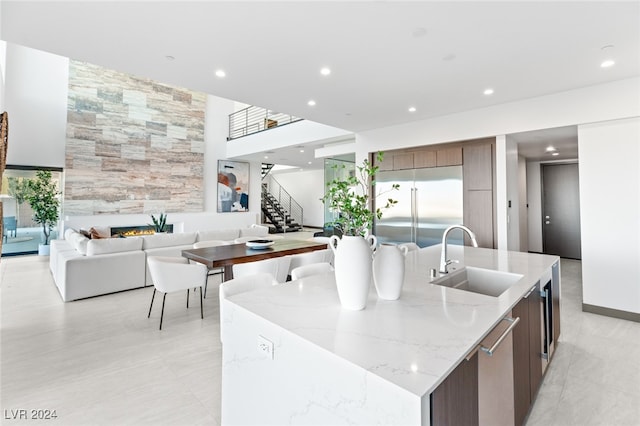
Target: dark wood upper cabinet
x=478, y=169
x=403, y=161
x=449, y=157
x=423, y=159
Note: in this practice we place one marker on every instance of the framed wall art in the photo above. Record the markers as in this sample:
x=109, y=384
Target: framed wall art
x=233, y=186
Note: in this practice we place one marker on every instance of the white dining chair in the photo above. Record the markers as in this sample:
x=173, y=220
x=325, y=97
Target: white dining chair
x=278, y=267
x=311, y=269
x=171, y=274
x=214, y=271
x=317, y=256
x=242, y=285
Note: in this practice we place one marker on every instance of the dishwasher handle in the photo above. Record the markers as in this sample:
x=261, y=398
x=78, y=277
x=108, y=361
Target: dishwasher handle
x=492, y=349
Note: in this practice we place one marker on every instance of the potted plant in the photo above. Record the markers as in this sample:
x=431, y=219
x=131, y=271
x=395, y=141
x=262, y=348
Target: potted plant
x=42, y=196
x=159, y=224
x=352, y=197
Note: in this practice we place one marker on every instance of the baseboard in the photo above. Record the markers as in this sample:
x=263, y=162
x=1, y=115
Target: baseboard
x=609, y=312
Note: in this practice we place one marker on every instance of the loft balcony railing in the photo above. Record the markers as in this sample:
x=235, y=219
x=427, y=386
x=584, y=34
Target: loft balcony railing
x=254, y=119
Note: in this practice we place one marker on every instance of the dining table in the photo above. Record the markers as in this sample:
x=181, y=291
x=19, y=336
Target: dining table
x=228, y=255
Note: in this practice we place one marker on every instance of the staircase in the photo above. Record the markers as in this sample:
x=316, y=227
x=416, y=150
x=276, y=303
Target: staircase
x=265, y=169
x=276, y=216
x=279, y=210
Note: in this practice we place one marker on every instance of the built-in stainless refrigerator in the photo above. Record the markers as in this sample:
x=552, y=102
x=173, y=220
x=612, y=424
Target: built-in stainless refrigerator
x=429, y=200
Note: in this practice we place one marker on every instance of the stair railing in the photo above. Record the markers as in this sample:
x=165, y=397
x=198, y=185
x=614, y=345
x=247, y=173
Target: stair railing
x=296, y=212
x=255, y=119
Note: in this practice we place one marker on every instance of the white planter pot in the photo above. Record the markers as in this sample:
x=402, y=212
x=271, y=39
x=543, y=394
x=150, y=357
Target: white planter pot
x=388, y=270
x=43, y=250
x=352, y=262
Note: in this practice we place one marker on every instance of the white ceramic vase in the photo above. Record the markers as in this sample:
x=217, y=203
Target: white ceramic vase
x=388, y=270
x=352, y=263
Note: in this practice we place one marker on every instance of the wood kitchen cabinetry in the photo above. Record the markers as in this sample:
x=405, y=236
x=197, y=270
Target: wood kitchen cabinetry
x=449, y=157
x=480, y=389
x=455, y=400
x=477, y=183
x=423, y=158
x=478, y=383
x=527, y=365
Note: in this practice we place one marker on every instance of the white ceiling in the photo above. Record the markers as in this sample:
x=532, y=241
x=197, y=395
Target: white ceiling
x=533, y=145
x=385, y=56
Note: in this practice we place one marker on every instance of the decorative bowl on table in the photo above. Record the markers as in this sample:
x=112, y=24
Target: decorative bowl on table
x=259, y=244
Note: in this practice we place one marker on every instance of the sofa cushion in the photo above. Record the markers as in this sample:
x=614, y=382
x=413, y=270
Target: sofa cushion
x=254, y=231
x=77, y=241
x=113, y=245
x=68, y=232
x=168, y=240
x=219, y=234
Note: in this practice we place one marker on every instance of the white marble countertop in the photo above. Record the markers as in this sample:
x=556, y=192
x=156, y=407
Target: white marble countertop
x=413, y=342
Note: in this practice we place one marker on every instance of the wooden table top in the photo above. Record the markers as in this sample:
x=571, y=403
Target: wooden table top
x=219, y=256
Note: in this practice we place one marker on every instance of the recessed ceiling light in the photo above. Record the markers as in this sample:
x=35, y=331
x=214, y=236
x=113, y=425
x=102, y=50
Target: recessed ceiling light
x=325, y=71
x=555, y=153
x=309, y=162
x=170, y=58
x=608, y=63
x=412, y=109
x=311, y=103
x=488, y=91
x=302, y=150
x=550, y=149
x=266, y=157
x=221, y=73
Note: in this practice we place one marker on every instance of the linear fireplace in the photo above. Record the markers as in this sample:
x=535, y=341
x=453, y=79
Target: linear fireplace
x=132, y=231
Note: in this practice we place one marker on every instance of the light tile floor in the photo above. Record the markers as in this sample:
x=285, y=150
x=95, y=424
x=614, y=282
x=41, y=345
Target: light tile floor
x=100, y=361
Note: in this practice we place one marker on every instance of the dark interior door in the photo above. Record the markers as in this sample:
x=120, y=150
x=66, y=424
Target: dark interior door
x=561, y=210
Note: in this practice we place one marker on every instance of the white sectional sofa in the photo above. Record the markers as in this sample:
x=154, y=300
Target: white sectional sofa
x=84, y=268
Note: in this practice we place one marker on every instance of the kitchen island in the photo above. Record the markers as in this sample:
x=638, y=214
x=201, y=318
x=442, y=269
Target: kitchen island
x=292, y=355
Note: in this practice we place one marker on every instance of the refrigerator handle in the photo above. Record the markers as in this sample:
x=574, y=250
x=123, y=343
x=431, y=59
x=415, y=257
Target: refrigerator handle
x=414, y=214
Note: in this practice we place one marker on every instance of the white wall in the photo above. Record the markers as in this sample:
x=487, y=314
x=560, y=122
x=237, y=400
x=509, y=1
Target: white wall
x=306, y=188
x=3, y=67
x=609, y=155
x=513, y=196
x=36, y=99
x=534, y=199
x=522, y=203
x=216, y=132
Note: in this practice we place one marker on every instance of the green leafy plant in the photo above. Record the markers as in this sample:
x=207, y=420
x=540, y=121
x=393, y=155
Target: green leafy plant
x=160, y=223
x=352, y=196
x=42, y=195
x=18, y=189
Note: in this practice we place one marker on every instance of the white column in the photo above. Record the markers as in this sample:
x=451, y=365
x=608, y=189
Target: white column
x=501, y=192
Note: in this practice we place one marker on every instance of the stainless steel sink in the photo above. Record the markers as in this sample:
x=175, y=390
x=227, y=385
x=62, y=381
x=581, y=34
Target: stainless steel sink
x=479, y=280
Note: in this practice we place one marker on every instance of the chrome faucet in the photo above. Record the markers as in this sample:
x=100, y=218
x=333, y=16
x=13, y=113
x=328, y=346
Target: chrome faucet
x=444, y=262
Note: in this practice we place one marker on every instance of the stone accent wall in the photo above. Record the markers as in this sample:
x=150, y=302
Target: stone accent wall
x=133, y=145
